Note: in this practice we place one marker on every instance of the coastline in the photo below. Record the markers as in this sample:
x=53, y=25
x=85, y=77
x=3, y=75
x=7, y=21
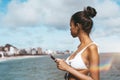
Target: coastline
x=24, y=57
x=18, y=57
x=102, y=55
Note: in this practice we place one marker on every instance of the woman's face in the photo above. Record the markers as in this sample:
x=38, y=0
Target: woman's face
x=73, y=29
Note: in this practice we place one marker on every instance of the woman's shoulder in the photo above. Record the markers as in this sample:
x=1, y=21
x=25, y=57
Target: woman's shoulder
x=93, y=46
x=93, y=49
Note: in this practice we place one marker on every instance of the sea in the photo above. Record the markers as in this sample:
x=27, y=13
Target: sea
x=44, y=68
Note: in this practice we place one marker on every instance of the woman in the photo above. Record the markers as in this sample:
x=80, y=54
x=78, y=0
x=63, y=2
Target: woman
x=83, y=64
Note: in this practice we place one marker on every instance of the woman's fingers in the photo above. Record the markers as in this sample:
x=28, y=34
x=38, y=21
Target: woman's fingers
x=61, y=64
x=57, y=60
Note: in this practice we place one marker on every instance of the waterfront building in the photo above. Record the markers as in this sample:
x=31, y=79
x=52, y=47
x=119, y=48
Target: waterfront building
x=2, y=52
x=10, y=50
x=33, y=51
x=39, y=51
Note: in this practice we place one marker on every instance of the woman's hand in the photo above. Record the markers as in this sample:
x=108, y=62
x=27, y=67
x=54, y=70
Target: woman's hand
x=61, y=64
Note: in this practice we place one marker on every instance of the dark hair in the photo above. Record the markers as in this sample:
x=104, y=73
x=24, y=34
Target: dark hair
x=84, y=18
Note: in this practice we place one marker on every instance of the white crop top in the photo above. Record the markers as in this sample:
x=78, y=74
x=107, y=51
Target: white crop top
x=77, y=62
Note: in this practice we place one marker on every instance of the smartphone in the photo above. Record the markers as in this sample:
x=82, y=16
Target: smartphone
x=52, y=57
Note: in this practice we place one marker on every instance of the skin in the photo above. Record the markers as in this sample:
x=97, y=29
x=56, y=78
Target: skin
x=90, y=57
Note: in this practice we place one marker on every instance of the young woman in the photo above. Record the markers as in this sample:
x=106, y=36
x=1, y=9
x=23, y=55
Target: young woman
x=83, y=64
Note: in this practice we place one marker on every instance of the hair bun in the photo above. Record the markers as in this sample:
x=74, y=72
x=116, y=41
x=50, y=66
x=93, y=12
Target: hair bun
x=90, y=12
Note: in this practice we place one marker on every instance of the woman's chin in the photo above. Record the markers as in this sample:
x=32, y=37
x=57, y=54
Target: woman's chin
x=73, y=35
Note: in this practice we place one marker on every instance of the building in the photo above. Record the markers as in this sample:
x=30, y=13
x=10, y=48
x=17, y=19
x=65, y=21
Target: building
x=33, y=51
x=10, y=50
x=39, y=51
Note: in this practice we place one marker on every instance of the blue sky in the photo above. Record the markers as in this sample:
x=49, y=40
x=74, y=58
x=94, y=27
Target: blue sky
x=45, y=23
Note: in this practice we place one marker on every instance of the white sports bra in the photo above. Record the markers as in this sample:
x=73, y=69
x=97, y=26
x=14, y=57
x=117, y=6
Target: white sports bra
x=77, y=62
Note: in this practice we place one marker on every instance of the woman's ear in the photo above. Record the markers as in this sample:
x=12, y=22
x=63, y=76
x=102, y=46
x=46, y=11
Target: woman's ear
x=79, y=26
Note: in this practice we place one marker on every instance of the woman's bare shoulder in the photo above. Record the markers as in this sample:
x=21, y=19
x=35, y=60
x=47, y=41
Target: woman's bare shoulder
x=93, y=49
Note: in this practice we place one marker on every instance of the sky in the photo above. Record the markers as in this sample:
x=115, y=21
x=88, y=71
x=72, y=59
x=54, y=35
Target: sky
x=45, y=23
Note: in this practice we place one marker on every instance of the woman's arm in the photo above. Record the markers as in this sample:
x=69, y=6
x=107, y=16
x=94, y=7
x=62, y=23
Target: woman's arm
x=94, y=62
x=62, y=65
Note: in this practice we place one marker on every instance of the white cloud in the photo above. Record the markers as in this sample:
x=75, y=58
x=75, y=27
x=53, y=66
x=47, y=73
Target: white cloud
x=20, y=14
x=57, y=13
x=109, y=44
x=54, y=13
x=108, y=17
x=107, y=9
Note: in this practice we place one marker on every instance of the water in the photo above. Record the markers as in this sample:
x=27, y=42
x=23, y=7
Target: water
x=113, y=73
x=44, y=68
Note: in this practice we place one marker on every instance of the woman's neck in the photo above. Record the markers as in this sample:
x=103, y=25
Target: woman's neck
x=84, y=38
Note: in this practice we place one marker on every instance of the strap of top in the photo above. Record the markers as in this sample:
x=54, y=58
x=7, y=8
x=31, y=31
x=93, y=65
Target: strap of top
x=85, y=48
